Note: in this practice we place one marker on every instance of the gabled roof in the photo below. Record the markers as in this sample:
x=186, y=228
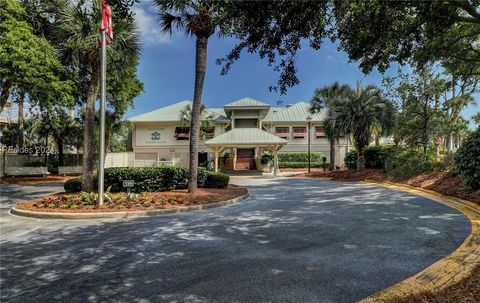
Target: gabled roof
x=297, y=112
x=247, y=102
x=171, y=113
x=246, y=136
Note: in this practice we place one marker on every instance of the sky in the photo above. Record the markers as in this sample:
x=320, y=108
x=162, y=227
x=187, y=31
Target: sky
x=167, y=66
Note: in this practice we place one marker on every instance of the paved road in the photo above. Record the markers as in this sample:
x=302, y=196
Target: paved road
x=293, y=241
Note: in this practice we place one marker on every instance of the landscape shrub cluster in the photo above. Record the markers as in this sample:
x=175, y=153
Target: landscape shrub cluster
x=403, y=163
x=300, y=157
x=375, y=157
x=467, y=160
x=153, y=179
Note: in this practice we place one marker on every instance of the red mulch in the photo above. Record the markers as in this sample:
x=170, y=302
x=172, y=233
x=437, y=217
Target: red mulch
x=168, y=199
x=442, y=182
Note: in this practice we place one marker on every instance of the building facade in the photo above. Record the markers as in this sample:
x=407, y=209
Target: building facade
x=232, y=137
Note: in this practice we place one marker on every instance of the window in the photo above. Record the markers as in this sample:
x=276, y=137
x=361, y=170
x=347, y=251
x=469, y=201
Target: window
x=320, y=132
x=299, y=132
x=209, y=132
x=282, y=132
x=182, y=133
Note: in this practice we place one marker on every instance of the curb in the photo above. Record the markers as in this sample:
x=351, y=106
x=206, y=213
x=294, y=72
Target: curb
x=447, y=271
x=124, y=214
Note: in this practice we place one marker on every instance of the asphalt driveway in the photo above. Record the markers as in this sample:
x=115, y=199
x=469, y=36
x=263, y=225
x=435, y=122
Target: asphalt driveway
x=294, y=240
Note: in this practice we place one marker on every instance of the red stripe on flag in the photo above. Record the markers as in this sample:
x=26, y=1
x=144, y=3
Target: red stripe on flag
x=106, y=24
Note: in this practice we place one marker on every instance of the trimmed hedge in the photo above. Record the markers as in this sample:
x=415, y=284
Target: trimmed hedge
x=301, y=164
x=467, y=160
x=75, y=185
x=216, y=180
x=151, y=179
x=375, y=156
x=407, y=162
x=300, y=157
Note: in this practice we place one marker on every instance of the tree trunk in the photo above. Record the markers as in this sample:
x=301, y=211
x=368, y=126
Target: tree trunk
x=360, y=160
x=89, y=124
x=332, y=154
x=21, y=120
x=377, y=140
x=200, y=69
x=59, y=141
x=6, y=88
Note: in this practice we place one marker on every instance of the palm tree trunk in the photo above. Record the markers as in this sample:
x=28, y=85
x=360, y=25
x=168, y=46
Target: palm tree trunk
x=200, y=69
x=88, y=154
x=360, y=160
x=21, y=120
x=332, y=154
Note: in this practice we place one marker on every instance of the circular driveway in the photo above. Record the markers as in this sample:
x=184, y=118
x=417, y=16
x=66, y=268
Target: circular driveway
x=293, y=240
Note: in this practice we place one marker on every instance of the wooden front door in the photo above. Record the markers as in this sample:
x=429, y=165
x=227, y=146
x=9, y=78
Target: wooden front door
x=245, y=159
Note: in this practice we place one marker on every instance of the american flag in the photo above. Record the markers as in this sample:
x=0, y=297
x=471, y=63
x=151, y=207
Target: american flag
x=107, y=21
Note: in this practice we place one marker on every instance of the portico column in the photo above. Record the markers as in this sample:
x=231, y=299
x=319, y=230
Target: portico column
x=275, y=162
x=216, y=160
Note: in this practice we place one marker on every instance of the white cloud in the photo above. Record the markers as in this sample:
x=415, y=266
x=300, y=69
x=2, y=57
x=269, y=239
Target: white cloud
x=148, y=25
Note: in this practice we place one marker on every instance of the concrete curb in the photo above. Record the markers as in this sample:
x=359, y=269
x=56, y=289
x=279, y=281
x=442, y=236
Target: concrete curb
x=123, y=214
x=447, y=271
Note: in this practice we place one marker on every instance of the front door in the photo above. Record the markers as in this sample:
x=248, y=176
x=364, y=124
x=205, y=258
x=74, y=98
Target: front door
x=245, y=159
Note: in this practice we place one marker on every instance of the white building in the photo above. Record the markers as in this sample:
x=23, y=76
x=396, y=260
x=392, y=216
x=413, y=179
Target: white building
x=242, y=131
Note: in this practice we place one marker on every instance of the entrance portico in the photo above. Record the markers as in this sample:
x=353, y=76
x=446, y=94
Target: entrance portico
x=247, y=138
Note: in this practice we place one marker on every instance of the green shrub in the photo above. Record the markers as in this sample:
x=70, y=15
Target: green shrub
x=75, y=185
x=375, y=156
x=301, y=164
x=351, y=160
x=406, y=163
x=217, y=180
x=467, y=160
x=266, y=157
x=151, y=179
x=300, y=157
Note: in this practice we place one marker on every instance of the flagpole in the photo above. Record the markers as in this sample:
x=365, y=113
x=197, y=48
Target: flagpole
x=103, y=81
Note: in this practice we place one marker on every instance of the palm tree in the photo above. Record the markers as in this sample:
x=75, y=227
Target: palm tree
x=206, y=119
x=329, y=97
x=199, y=18
x=77, y=35
x=364, y=110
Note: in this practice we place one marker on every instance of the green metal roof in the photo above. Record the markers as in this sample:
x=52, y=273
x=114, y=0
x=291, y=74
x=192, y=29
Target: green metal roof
x=246, y=136
x=297, y=112
x=171, y=113
x=247, y=102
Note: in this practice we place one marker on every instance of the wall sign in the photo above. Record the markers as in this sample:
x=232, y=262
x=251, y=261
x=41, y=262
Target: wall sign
x=151, y=136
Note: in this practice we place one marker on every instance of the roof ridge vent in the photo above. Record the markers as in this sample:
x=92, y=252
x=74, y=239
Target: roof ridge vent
x=289, y=105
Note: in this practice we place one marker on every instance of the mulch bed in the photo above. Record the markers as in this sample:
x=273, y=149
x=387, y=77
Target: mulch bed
x=158, y=200
x=33, y=180
x=440, y=182
x=467, y=290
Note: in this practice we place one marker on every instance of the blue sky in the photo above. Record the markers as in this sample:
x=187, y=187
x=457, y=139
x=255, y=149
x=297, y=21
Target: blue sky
x=167, y=70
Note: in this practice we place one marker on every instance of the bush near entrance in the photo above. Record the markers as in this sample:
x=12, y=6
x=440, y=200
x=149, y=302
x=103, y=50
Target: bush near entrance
x=300, y=157
x=152, y=179
x=467, y=160
x=375, y=156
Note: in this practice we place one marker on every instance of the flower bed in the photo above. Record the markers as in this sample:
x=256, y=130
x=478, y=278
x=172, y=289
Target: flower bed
x=86, y=202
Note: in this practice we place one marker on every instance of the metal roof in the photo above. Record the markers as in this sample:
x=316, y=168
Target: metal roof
x=171, y=113
x=247, y=102
x=246, y=136
x=297, y=112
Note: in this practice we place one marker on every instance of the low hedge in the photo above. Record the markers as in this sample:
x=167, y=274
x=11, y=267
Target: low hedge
x=375, y=156
x=151, y=179
x=216, y=180
x=300, y=157
x=301, y=164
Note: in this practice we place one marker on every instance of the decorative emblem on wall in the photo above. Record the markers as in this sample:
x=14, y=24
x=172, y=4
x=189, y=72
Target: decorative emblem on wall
x=155, y=136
